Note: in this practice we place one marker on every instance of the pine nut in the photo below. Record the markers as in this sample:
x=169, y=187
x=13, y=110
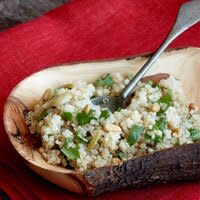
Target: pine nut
x=155, y=107
x=112, y=127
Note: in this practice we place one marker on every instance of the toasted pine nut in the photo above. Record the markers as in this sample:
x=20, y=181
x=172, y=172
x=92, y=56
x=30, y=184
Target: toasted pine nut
x=115, y=161
x=155, y=107
x=86, y=109
x=173, y=130
x=111, y=127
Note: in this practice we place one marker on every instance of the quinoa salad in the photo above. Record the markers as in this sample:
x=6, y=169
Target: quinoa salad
x=78, y=135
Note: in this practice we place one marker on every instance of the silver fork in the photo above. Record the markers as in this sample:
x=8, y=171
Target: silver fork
x=189, y=14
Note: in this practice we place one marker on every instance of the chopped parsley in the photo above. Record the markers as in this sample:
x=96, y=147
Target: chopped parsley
x=157, y=139
x=84, y=118
x=67, y=116
x=134, y=134
x=104, y=114
x=161, y=112
x=166, y=99
x=195, y=134
x=107, y=80
x=160, y=124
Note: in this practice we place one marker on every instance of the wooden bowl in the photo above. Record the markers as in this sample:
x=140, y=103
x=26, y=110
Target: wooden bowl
x=155, y=168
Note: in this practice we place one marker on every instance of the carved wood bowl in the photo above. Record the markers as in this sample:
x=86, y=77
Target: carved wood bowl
x=181, y=163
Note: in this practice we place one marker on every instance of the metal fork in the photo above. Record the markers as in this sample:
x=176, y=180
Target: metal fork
x=188, y=15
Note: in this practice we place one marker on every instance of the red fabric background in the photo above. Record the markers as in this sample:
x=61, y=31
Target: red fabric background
x=83, y=30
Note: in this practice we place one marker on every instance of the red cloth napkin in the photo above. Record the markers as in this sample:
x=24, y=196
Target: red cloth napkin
x=77, y=31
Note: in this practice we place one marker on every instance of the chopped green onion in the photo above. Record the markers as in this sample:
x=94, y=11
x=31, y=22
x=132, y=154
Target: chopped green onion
x=42, y=115
x=84, y=118
x=195, y=134
x=134, y=134
x=71, y=153
x=161, y=112
x=104, y=114
x=67, y=116
x=94, y=141
x=107, y=80
x=70, y=141
x=81, y=138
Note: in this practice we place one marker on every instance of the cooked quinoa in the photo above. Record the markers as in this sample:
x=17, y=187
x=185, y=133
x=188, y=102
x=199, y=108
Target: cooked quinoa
x=79, y=135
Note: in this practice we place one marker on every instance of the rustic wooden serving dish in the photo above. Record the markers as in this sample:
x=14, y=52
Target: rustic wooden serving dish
x=176, y=164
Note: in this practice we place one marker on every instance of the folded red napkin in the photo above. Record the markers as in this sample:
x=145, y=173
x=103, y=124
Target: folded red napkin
x=83, y=30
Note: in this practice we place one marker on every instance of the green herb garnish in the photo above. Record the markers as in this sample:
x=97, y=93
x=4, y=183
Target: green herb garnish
x=84, y=118
x=81, y=138
x=107, y=80
x=71, y=153
x=42, y=115
x=147, y=136
x=166, y=99
x=67, y=116
x=157, y=139
x=160, y=124
x=94, y=141
x=195, y=134
x=104, y=114
x=161, y=112
x=134, y=134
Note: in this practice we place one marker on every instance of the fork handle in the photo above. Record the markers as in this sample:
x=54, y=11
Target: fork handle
x=189, y=14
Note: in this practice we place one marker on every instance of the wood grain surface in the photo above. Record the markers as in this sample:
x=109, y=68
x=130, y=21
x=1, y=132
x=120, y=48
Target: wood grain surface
x=18, y=11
